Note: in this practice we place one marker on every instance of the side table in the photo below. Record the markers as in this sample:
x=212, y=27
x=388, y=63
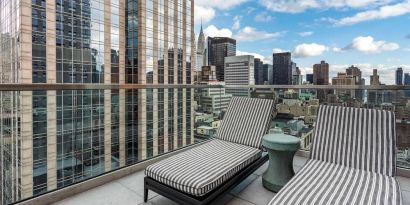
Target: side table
x=281, y=149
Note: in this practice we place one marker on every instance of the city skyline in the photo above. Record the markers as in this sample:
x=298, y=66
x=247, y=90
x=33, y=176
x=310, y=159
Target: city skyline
x=343, y=33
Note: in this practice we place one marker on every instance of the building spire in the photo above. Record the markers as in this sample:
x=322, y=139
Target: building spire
x=201, y=26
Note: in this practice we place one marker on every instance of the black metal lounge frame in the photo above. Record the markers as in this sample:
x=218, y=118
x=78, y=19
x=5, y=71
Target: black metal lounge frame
x=187, y=199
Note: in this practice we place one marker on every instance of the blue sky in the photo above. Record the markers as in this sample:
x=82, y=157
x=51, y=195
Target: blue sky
x=366, y=33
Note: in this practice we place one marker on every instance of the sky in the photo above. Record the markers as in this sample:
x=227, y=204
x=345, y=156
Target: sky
x=366, y=33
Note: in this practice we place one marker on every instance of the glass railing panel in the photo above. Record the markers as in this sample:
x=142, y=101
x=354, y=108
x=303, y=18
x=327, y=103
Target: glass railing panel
x=297, y=110
x=51, y=139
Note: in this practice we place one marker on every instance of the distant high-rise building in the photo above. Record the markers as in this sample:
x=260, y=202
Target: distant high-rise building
x=200, y=50
x=309, y=78
x=374, y=79
x=239, y=70
x=218, y=49
x=296, y=76
x=269, y=69
x=356, y=73
x=260, y=73
x=282, y=68
x=344, y=79
x=407, y=79
x=321, y=77
x=399, y=76
x=407, y=82
x=208, y=73
x=375, y=97
x=212, y=100
x=321, y=73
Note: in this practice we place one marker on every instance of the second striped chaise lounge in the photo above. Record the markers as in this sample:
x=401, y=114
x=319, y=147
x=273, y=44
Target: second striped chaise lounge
x=353, y=161
x=204, y=173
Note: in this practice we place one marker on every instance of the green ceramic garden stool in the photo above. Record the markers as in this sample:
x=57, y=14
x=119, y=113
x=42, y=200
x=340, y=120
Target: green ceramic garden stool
x=281, y=149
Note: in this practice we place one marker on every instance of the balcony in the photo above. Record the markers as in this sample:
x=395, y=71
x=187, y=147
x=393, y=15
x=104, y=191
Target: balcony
x=83, y=172
x=129, y=190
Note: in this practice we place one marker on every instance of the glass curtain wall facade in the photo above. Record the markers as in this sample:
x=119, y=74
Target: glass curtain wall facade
x=51, y=139
x=10, y=72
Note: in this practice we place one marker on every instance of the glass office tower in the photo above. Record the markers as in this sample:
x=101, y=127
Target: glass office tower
x=57, y=138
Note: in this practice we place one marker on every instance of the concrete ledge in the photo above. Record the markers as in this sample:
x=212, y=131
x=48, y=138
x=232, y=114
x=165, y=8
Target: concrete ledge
x=60, y=194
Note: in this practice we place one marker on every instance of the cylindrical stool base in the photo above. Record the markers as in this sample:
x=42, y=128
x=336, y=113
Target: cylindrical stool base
x=280, y=170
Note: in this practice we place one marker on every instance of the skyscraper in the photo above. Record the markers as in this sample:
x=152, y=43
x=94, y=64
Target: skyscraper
x=321, y=73
x=309, y=78
x=399, y=76
x=375, y=78
x=321, y=77
x=282, y=68
x=269, y=69
x=212, y=100
x=239, y=70
x=296, y=76
x=260, y=73
x=375, y=97
x=407, y=82
x=356, y=73
x=344, y=79
x=407, y=79
x=200, y=51
x=70, y=135
x=218, y=49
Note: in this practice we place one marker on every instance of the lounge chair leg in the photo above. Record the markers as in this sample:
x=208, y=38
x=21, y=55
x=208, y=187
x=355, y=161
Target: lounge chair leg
x=145, y=195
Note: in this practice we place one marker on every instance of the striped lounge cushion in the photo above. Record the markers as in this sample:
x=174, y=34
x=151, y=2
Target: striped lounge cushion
x=326, y=183
x=203, y=168
x=360, y=138
x=247, y=121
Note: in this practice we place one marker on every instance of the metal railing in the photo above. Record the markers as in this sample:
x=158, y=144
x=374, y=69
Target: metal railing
x=86, y=113
x=57, y=86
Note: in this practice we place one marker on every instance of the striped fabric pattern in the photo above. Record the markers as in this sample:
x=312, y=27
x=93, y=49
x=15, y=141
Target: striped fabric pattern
x=325, y=183
x=352, y=161
x=364, y=139
x=199, y=170
x=246, y=121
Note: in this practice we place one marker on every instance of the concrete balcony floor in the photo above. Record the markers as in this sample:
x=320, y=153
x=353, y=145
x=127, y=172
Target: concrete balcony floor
x=129, y=190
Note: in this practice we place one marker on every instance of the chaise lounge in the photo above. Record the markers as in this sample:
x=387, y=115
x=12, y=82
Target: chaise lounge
x=352, y=161
x=203, y=174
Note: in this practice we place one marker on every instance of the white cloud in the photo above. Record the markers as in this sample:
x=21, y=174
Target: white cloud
x=289, y=6
x=251, y=34
x=279, y=50
x=305, y=70
x=355, y=3
x=308, y=50
x=296, y=6
x=205, y=10
x=367, y=44
x=256, y=55
x=237, y=22
x=263, y=17
x=224, y=5
x=337, y=50
x=304, y=34
x=250, y=10
x=380, y=13
x=204, y=14
x=213, y=31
